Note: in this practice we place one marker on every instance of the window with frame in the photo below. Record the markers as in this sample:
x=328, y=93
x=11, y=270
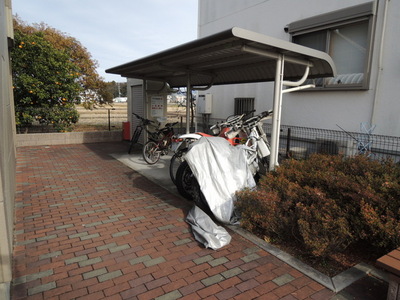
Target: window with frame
x=243, y=105
x=346, y=36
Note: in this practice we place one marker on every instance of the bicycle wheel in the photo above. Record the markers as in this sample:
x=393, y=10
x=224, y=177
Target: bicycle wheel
x=176, y=161
x=151, y=153
x=185, y=180
x=134, y=139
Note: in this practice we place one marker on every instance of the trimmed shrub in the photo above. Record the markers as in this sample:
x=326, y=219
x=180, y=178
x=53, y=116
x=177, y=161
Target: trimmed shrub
x=326, y=203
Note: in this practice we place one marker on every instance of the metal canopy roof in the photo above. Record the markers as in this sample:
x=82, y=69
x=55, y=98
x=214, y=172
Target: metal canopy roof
x=232, y=56
x=235, y=56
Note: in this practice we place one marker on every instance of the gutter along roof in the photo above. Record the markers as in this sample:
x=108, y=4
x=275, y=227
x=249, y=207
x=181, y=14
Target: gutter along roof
x=233, y=56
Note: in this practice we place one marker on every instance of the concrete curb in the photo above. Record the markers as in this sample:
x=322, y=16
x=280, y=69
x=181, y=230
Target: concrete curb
x=335, y=284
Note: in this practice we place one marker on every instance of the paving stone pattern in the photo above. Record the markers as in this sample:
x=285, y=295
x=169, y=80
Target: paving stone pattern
x=89, y=227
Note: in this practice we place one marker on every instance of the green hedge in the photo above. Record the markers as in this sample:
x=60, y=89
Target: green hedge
x=326, y=203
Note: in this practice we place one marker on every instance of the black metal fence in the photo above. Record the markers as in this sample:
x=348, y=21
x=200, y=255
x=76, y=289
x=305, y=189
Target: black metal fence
x=300, y=142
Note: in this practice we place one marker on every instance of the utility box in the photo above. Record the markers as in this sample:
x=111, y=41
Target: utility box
x=204, y=104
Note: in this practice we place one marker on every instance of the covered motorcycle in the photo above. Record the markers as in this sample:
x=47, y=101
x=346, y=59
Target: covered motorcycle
x=220, y=170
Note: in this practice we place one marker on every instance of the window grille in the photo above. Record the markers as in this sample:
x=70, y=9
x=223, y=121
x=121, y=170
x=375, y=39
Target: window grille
x=244, y=105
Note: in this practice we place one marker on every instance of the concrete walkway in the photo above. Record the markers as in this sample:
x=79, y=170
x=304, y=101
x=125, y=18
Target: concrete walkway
x=90, y=227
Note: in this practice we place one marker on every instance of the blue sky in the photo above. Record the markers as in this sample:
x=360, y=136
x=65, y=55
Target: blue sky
x=116, y=32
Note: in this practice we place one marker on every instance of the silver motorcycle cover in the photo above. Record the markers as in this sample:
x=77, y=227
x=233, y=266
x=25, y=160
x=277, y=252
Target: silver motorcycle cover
x=206, y=231
x=220, y=169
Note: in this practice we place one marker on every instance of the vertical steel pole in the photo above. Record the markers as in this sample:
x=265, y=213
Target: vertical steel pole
x=188, y=96
x=276, y=117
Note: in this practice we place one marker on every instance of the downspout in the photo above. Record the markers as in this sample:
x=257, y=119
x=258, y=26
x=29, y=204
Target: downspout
x=198, y=88
x=380, y=60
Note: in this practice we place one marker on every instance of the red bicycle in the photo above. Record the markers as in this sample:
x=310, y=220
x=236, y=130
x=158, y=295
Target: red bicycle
x=159, y=144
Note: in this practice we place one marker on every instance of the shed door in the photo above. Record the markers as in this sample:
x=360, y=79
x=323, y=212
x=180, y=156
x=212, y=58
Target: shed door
x=137, y=108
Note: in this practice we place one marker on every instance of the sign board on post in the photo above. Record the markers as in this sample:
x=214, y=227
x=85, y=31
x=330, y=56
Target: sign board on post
x=157, y=106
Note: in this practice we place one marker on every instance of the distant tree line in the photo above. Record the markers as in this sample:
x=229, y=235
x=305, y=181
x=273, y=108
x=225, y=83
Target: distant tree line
x=117, y=89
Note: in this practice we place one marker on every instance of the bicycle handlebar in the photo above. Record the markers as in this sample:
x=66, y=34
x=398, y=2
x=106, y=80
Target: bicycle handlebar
x=171, y=124
x=254, y=120
x=233, y=120
x=144, y=120
x=267, y=113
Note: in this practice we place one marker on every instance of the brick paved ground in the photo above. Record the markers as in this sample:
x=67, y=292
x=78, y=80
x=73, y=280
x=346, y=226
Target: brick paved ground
x=88, y=227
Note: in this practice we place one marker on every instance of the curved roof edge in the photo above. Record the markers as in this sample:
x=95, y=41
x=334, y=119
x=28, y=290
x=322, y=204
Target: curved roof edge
x=224, y=58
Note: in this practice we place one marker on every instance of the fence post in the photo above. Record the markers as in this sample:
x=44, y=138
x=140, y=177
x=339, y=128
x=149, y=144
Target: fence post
x=289, y=133
x=109, y=118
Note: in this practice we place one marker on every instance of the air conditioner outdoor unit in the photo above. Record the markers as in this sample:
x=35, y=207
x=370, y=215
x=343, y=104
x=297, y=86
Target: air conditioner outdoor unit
x=343, y=147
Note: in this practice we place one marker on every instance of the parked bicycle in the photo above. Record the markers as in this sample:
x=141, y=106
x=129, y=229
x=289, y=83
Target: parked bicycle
x=143, y=123
x=159, y=144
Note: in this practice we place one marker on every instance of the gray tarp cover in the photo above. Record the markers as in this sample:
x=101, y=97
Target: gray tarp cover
x=221, y=169
x=206, y=231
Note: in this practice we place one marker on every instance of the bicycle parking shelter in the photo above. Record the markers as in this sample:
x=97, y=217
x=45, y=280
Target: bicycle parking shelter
x=230, y=57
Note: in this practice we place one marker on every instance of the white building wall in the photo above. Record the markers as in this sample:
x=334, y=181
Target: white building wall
x=387, y=104
x=319, y=109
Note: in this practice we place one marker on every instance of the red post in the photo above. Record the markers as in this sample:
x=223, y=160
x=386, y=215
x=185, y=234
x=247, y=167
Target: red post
x=126, y=131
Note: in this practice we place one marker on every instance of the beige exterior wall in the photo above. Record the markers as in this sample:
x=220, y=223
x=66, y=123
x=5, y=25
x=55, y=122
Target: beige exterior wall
x=64, y=138
x=7, y=151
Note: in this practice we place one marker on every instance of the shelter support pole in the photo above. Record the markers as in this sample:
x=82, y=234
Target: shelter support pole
x=188, y=99
x=276, y=117
x=277, y=109
x=278, y=92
